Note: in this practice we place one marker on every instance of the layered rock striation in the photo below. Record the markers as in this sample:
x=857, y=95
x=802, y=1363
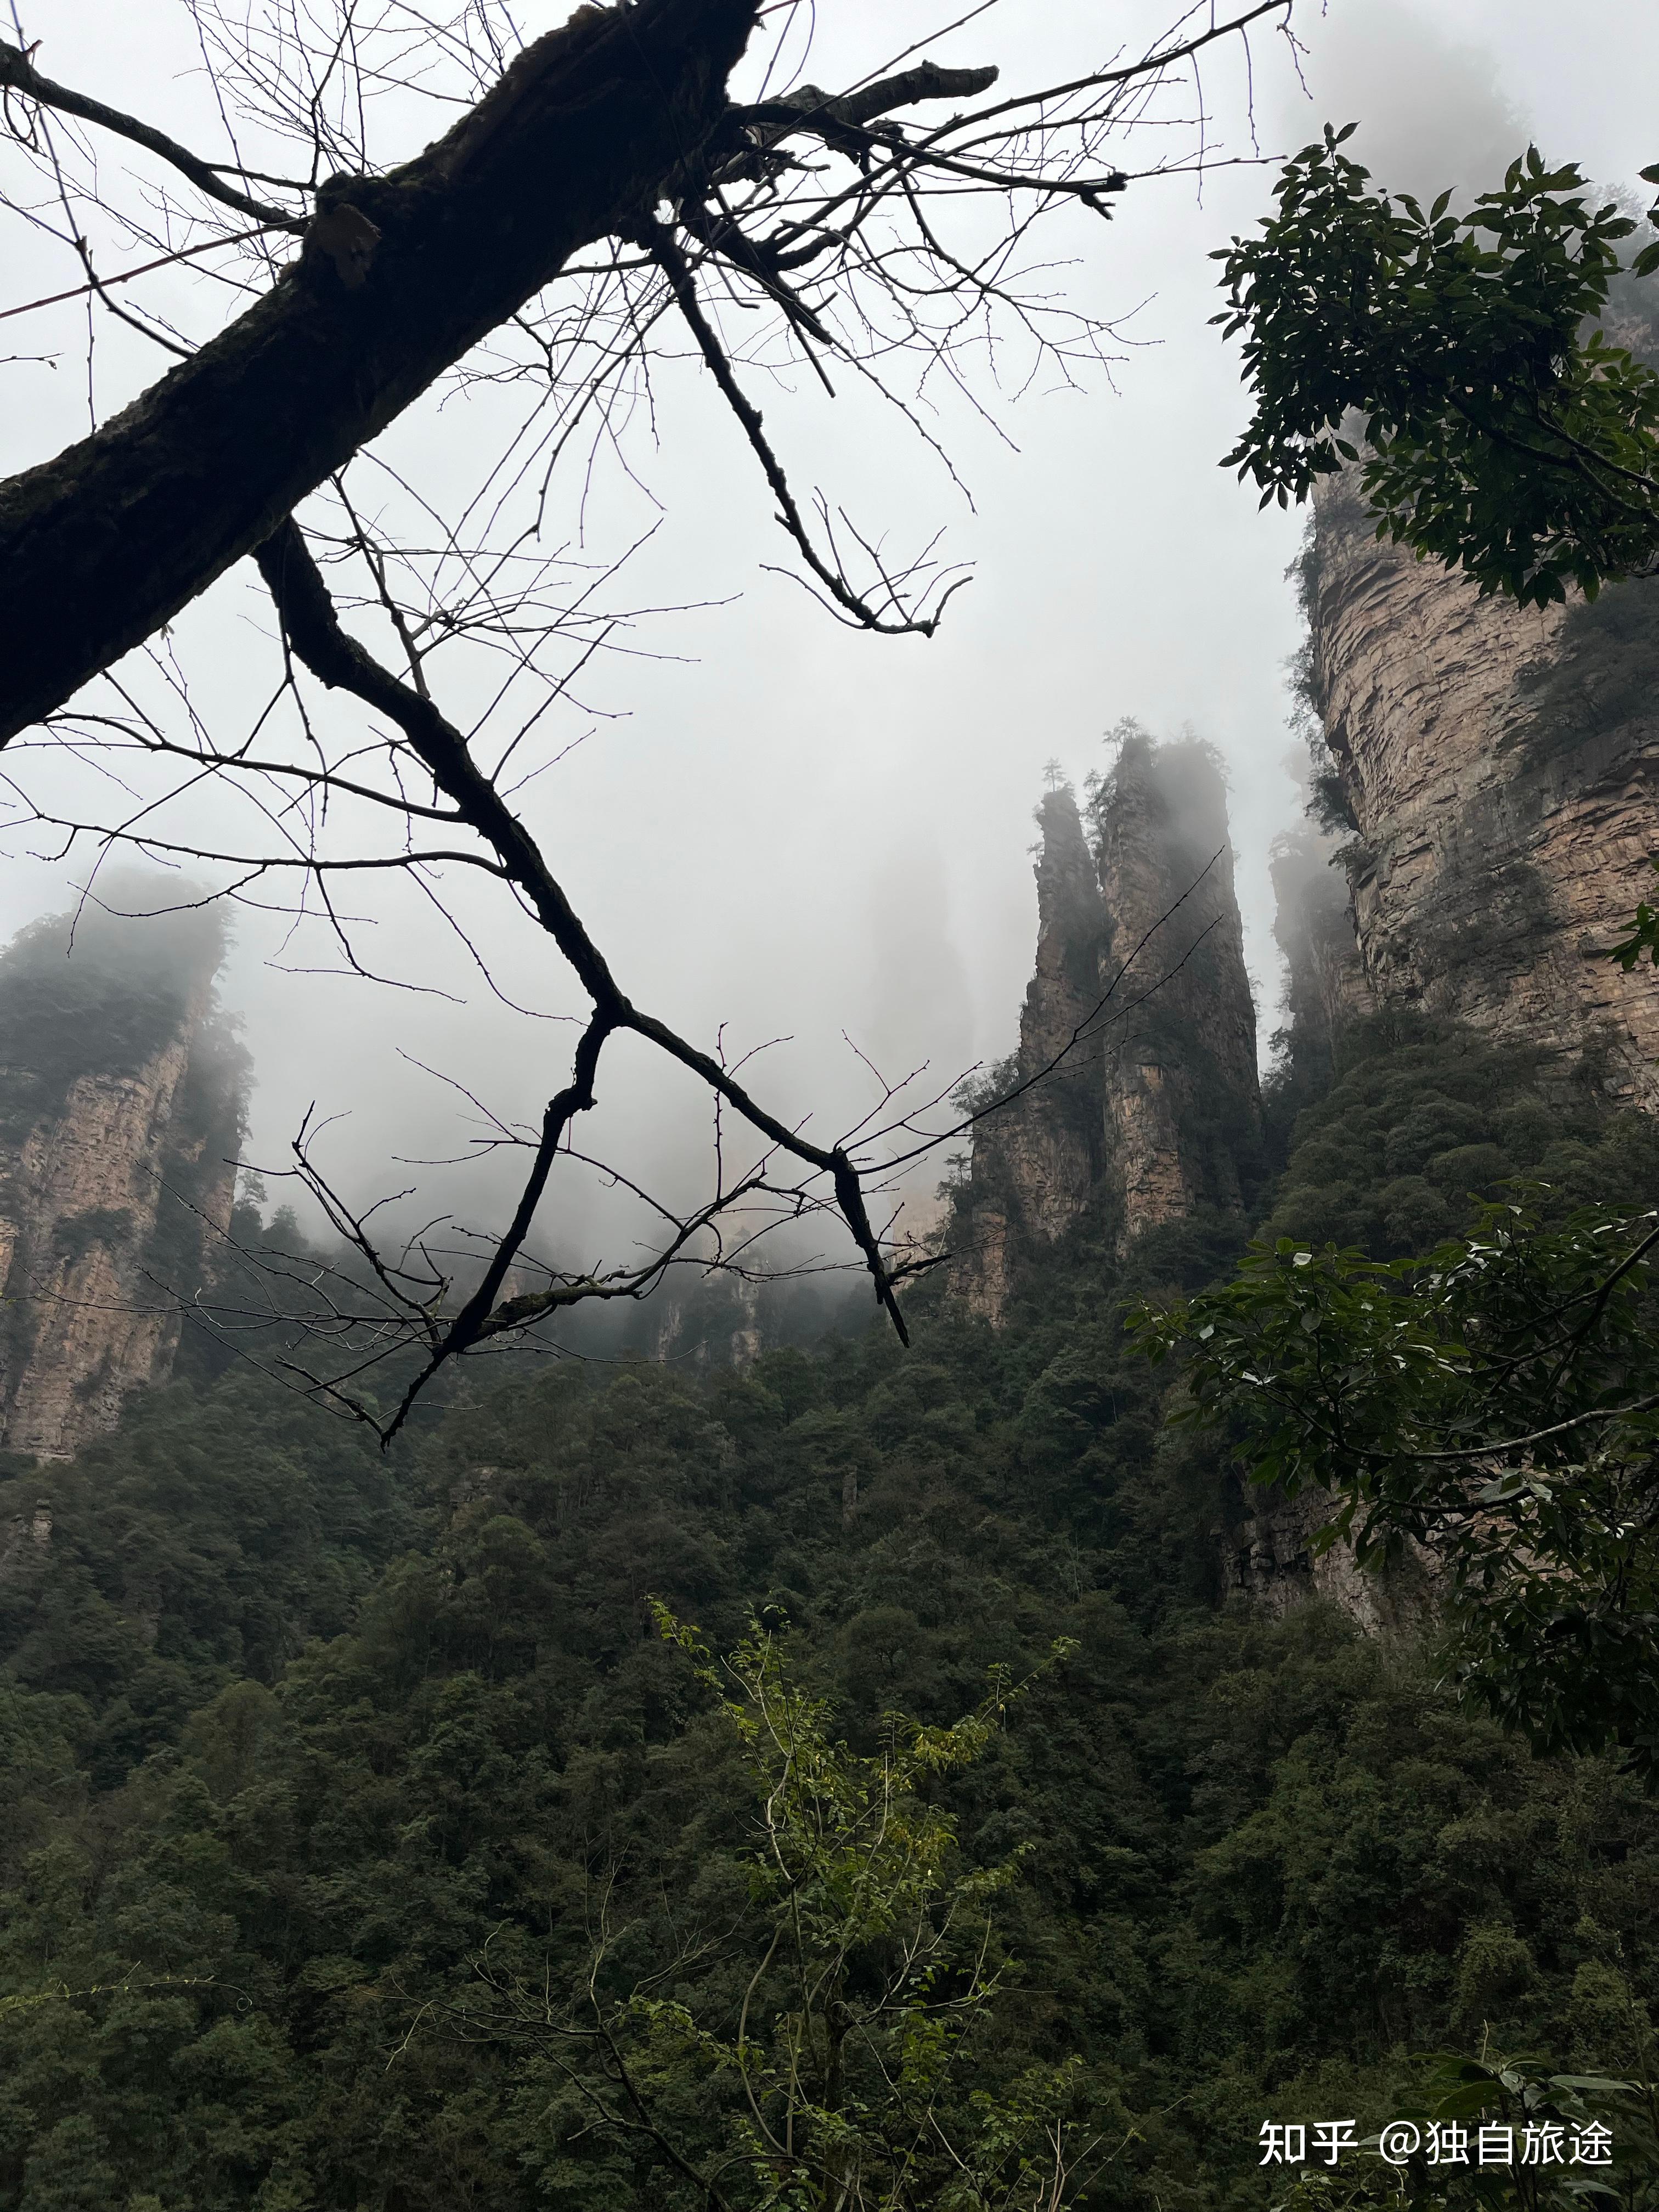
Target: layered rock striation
x=1498, y=769
x=1134, y=1098
x=1037, y=1161
x=121, y=1110
x=1182, y=1105
x=1487, y=777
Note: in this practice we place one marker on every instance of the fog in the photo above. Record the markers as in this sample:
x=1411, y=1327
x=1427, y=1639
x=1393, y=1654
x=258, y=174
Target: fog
x=779, y=829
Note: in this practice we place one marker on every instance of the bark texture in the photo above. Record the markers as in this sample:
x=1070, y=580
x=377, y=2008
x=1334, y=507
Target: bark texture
x=398, y=276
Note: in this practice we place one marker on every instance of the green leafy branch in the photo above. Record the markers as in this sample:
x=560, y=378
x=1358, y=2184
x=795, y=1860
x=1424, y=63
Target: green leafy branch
x=1493, y=1404
x=1503, y=433
x=850, y=2066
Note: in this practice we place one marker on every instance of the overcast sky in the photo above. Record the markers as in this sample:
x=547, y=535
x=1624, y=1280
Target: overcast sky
x=796, y=831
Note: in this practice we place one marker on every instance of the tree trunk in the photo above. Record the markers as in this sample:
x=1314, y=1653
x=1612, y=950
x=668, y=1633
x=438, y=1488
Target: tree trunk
x=398, y=277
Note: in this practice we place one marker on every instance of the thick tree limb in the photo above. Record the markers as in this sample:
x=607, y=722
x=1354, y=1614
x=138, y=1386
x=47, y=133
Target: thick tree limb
x=828, y=114
x=584, y=133
x=927, y=81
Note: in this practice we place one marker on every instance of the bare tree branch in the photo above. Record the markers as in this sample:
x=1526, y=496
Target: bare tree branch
x=19, y=73
x=588, y=122
x=579, y=203
x=895, y=622
x=312, y=629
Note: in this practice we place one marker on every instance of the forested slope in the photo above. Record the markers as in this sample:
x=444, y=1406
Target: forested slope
x=313, y=1756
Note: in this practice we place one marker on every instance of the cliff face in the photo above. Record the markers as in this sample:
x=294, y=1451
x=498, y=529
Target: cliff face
x=1182, y=1101
x=1153, y=1113
x=1497, y=768
x=120, y=1121
x=1036, y=1165
x=1500, y=768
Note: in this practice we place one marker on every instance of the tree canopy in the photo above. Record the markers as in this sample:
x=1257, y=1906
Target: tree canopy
x=1506, y=432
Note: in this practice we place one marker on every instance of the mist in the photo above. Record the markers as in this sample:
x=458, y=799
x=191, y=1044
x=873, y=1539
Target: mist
x=1430, y=100
x=812, y=845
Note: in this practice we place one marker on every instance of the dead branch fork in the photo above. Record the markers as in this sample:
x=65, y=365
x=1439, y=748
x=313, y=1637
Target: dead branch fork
x=313, y=634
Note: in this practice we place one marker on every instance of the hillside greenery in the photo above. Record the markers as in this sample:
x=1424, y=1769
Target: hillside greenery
x=1448, y=1340
x=363, y=1821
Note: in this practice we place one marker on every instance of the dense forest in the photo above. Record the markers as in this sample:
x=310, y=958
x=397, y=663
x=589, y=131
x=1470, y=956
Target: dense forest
x=365, y=1830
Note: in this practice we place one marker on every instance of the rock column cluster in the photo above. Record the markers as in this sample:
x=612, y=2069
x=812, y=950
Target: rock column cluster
x=1135, y=1076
